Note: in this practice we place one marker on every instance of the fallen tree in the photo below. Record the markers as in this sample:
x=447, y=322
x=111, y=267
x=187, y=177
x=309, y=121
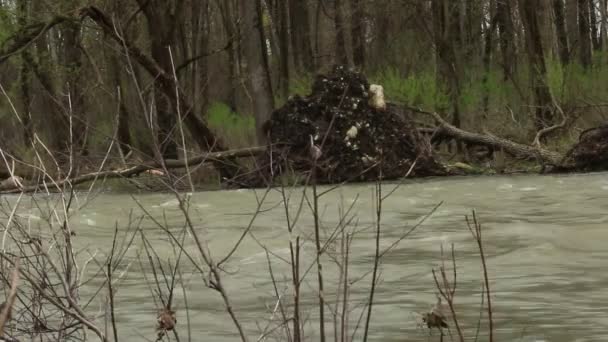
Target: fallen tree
x=543, y=156
x=210, y=157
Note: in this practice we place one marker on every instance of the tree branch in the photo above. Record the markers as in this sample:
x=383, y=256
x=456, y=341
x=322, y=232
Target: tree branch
x=531, y=152
x=213, y=157
x=26, y=36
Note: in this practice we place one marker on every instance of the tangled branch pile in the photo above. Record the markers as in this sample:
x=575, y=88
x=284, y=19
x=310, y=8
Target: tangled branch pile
x=590, y=153
x=359, y=141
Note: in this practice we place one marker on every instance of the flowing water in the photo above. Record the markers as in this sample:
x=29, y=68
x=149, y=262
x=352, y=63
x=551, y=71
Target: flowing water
x=545, y=237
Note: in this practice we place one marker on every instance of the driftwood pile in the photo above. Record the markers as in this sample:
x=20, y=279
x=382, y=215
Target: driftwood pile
x=590, y=153
x=360, y=139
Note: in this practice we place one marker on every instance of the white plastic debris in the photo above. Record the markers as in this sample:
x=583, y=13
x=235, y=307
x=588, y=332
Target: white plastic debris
x=376, y=99
x=352, y=132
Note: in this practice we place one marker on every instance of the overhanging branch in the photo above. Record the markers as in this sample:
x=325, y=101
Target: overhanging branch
x=26, y=36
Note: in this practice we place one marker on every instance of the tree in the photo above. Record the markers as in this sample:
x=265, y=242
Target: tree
x=604, y=23
x=448, y=39
x=228, y=13
x=506, y=37
x=258, y=78
x=284, y=46
x=560, y=29
x=25, y=77
x=162, y=18
x=572, y=27
x=341, y=54
x=357, y=13
x=538, y=70
x=299, y=14
x=585, y=33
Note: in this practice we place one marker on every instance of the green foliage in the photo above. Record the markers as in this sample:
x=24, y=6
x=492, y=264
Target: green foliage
x=236, y=129
x=6, y=24
x=301, y=84
x=418, y=89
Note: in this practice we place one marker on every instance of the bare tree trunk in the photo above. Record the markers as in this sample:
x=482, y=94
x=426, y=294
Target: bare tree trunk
x=25, y=78
x=604, y=24
x=201, y=68
x=254, y=51
x=547, y=33
x=447, y=38
x=55, y=115
x=358, y=32
x=75, y=103
x=299, y=14
x=595, y=36
x=284, y=47
x=560, y=29
x=123, y=130
x=341, y=54
x=162, y=18
x=487, y=58
x=228, y=12
x=538, y=70
x=506, y=37
x=573, y=29
x=585, y=34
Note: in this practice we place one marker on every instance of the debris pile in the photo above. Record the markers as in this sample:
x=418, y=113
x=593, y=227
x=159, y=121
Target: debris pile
x=360, y=137
x=590, y=153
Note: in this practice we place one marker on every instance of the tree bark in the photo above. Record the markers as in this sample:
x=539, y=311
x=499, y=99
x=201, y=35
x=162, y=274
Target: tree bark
x=123, y=131
x=573, y=29
x=341, y=54
x=604, y=24
x=448, y=38
x=487, y=59
x=74, y=103
x=162, y=18
x=595, y=37
x=284, y=47
x=538, y=71
x=584, y=33
x=25, y=78
x=357, y=13
x=299, y=14
x=254, y=51
x=228, y=12
x=545, y=157
x=560, y=29
x=506, y=37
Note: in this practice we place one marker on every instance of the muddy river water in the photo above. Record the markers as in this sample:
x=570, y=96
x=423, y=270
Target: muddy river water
x=546, y=241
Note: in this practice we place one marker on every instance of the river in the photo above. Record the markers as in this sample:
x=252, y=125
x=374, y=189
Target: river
x=545, y=238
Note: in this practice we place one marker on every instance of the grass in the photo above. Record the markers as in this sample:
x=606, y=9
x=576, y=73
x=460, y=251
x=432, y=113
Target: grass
x=237, y=130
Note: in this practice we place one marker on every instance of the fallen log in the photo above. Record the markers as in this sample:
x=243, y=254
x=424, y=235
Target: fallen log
x=210, y=157
x=543, y=156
